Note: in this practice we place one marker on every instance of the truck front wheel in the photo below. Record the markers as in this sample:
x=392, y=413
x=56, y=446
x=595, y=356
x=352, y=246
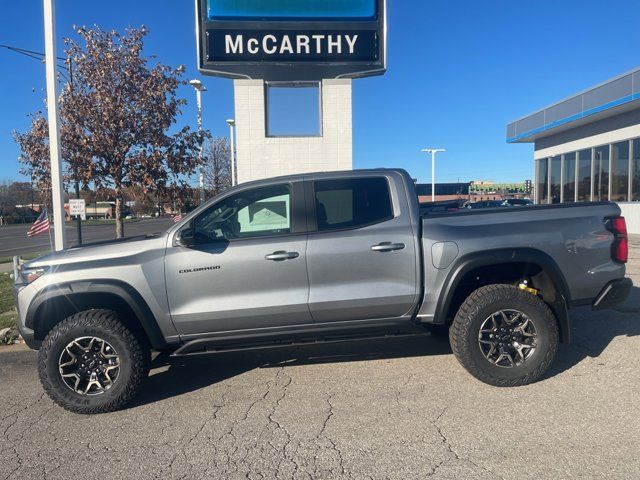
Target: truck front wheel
x=504, y=336
x=92, y=363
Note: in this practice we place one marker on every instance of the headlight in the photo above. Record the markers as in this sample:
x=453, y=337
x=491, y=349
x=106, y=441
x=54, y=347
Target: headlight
x=30, y=275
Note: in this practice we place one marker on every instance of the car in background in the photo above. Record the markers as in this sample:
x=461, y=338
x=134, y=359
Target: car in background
x=443, y=206
x=519, y=202
x=489, y=204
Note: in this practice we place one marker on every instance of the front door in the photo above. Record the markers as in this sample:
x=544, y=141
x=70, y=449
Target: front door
x=362, y=258
x=245, y=266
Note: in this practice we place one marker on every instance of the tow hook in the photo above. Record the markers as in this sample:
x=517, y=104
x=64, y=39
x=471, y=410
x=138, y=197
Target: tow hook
x=524, y=285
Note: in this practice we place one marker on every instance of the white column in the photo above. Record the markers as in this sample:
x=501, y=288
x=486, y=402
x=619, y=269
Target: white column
x=54, y=129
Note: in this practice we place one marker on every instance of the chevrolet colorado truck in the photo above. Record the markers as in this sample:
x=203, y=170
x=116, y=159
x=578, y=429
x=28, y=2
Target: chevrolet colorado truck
x=324, y=257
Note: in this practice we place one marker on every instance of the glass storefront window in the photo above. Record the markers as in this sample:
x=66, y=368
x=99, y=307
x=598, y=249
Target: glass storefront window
x=554, y=180
x=542, y=186
x=584, y=175
x=569, y=177
x=635, y=171
x=601, y=174
x=620, y=172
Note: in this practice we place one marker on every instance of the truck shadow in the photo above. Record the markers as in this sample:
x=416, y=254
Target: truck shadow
x=177, y=376
x=591, y=332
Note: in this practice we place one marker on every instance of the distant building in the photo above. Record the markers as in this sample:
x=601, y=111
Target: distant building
x=99, y=210
x=481, y=190
x=476, y=191
x=444, y=191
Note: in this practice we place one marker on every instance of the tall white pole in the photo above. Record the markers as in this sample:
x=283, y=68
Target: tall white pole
x=233, y=153
x=433, y=175
x=53, y=117
x=199, y=103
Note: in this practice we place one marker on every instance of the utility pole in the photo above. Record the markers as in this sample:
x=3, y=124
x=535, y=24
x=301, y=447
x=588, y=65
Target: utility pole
x=199, y=87
x=54, y=127
x=232, y=123
x=433, y=152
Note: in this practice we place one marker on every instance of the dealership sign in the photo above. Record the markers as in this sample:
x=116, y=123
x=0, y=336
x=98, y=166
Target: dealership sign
x=291, y=39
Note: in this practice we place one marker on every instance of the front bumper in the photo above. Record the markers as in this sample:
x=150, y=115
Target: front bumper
x=27, y=334
x=614, y=293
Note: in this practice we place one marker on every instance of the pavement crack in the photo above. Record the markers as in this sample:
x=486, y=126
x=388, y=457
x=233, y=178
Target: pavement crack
x=445, y=440
x=323, y=433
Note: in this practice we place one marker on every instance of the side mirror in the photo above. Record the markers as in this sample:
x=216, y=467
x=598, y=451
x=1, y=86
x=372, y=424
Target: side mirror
x=185, y=238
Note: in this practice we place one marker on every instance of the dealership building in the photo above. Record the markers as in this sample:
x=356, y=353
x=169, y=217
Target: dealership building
x=587, y=147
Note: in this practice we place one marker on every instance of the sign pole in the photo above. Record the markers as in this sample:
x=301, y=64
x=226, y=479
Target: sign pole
x=54, y=129
x=78, y=217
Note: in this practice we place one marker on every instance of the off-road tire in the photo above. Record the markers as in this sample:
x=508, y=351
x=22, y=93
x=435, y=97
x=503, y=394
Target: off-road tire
x=133, y=350
x=481, y=304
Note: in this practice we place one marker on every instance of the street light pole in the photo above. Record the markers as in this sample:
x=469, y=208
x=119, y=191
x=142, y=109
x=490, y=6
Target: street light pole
x=199, y=87
x=433, y=152
x=54, y=127
x=232, y=138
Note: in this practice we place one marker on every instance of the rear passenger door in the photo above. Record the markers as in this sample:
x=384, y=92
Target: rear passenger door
x=361, y=254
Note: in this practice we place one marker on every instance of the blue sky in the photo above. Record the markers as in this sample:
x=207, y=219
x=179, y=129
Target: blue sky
x=458, y=73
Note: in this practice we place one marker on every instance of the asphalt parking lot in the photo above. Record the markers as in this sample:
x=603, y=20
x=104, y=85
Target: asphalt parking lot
x=378, y=409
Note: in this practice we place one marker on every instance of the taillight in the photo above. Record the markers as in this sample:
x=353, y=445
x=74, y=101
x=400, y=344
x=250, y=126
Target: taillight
x=620, y=247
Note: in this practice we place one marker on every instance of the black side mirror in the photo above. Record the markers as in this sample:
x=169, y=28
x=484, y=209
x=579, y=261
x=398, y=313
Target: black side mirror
x=186, y=238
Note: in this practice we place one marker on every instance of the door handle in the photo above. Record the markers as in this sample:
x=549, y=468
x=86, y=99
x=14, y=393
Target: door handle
x=387, y=247
x=281, y=256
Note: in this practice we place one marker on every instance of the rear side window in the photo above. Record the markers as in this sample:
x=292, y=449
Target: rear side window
x=351, y=203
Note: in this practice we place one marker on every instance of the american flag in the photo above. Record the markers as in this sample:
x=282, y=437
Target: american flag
x=41, y=225
x=177, y=218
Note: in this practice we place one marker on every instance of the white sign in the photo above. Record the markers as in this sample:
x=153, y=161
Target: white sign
x=76, y=207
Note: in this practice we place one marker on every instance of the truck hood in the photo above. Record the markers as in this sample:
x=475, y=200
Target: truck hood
x=99, y=251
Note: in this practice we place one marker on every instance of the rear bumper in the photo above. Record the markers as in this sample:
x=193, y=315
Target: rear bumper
x=614, y=293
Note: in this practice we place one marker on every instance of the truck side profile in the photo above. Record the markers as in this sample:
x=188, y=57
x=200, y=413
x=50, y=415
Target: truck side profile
x=320, y=258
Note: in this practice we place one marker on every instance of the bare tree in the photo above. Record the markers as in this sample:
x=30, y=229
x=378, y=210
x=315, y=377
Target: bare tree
x=35, y=161
x=123, y=112
x=217, y=166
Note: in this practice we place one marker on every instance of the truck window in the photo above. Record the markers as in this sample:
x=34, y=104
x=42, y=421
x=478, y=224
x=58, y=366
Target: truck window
x=259, y=212
x=351, y=203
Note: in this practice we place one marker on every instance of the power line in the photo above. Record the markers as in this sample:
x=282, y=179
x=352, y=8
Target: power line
x=29, y=53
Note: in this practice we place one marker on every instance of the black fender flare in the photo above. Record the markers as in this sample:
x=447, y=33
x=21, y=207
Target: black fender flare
x=122, y=290
x=505, y=256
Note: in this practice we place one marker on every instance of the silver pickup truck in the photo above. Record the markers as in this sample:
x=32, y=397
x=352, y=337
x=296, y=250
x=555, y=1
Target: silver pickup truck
x=322, y=257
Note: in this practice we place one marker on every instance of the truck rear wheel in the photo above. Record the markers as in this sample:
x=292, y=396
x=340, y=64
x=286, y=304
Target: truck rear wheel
x=504, y=336
x=92, y=363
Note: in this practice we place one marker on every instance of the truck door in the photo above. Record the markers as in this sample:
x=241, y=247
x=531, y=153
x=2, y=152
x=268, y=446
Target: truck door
x=361, y=253
x=241, y=264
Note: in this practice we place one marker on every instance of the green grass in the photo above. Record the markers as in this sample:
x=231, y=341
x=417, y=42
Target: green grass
x=25, y=256
x=9, y=320
x=6, y=297
x=8, y=316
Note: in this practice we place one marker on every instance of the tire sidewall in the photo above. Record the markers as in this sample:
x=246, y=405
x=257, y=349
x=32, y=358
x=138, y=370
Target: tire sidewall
x=506, y=297
x=50, y=355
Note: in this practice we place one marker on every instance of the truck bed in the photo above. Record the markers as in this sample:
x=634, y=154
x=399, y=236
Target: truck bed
x=573, y=236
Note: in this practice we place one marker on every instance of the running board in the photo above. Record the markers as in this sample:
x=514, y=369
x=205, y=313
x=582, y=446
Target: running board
x=208, y=346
